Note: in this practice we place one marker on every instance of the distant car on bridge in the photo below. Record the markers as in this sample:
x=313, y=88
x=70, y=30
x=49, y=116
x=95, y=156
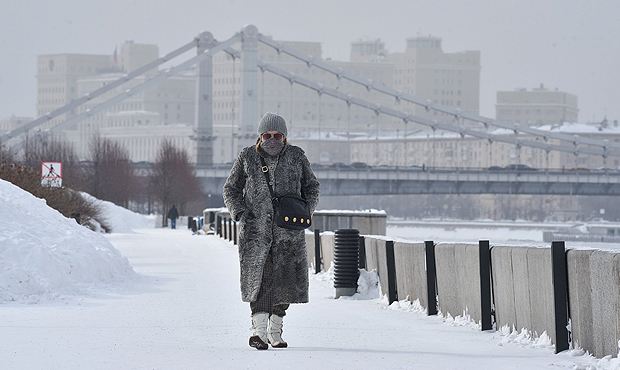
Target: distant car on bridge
x=360, y=165
x=519, y=167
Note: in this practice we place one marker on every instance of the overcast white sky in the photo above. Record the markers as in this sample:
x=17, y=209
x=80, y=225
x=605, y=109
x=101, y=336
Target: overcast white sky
x=573, y=45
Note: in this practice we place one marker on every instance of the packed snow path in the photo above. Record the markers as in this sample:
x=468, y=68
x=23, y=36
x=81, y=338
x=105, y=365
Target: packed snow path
x=187, y=314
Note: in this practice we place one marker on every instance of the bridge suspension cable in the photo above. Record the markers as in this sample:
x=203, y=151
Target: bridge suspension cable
x=463, y=131
x=427, y=104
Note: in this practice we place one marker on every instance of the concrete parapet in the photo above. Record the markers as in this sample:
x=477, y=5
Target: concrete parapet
x=580, y=293
x=410, y=261
x=376, y=260
x=458, y=279
x=523, y=288
x=367, y=222
x=540, y=282
x=327, y=249
x=503, y=287
x=594, y=293
x=310, y=247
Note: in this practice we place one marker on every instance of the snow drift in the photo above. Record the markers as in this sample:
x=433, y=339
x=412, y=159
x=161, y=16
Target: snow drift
x=121, y=220
x=45, y=256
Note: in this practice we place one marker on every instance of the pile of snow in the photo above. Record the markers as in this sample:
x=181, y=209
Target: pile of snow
x=121, y=220
x=367, y=283
x=45, y=256
x=367, y=286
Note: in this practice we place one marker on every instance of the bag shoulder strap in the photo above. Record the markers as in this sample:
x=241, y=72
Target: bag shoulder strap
x=265, y=170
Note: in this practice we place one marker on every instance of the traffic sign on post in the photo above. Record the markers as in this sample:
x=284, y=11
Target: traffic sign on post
x=51, y=174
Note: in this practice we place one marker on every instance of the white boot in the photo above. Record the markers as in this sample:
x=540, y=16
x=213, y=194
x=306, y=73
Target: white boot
x=274, y=336
x=258, y=339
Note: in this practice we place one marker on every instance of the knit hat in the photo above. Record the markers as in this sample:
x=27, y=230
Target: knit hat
x=272, y=122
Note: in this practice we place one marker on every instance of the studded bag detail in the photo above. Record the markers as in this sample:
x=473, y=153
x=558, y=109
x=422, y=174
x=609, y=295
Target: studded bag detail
x=290, y=211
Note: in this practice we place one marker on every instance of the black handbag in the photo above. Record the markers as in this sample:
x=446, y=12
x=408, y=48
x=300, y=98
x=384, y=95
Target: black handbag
x=289, y=211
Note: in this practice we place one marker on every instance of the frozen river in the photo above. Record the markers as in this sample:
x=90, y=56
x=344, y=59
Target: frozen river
x=502, y=232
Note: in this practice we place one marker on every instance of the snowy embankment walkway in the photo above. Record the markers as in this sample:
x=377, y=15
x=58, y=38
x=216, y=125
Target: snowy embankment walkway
x=187, y=314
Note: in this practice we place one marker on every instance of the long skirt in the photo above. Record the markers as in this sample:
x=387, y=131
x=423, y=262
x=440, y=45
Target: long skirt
x=264, y=300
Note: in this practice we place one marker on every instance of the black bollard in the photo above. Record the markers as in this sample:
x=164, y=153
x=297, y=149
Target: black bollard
x=218, y=226
x=346, y=261
x=230, y=237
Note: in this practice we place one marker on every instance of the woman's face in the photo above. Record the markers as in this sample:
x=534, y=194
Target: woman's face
x=272, y=134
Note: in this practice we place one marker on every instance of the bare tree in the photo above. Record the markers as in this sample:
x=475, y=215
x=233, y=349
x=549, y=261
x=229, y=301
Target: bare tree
x=173, y=180
x=111, y=176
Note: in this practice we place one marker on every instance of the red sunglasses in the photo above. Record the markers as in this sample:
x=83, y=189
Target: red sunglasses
x=267, y=136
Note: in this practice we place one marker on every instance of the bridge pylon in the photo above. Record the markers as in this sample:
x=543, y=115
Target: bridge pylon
x=249, y=87
x=203, y=125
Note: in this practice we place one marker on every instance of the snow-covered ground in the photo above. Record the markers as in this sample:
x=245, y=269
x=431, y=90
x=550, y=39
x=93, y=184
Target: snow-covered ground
x=181, y=309
x=190, y=317
x=45, y=256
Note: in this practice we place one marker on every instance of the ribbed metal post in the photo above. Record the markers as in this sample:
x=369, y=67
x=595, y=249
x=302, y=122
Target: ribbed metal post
x=346, y=261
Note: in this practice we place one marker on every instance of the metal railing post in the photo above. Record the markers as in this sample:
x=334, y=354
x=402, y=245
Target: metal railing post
x=485, y=285
x=560, y=294
x=391, y=271
x=218, y=226
x=431, y=277
x=236, y=224
x=317, y=251
x=362, y=253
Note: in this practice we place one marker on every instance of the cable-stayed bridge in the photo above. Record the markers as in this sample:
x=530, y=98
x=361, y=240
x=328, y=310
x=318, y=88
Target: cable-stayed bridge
x=350, y=181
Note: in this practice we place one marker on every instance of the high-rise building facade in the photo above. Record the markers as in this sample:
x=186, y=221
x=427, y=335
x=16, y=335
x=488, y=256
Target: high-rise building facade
x=538, y=106
x=448, y=79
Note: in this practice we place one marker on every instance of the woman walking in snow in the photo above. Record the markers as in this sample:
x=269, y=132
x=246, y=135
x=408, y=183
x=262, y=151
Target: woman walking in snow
x=274, y=267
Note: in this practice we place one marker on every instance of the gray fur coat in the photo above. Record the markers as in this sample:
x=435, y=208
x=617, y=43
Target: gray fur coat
x=246, y=194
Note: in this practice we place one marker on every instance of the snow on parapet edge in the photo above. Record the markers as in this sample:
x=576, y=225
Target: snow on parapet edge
x=48, y=257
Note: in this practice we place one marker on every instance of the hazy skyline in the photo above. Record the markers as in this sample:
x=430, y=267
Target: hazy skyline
x=566, y=44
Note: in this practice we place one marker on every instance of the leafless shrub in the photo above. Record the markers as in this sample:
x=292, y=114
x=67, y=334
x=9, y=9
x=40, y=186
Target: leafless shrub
x=66, y=201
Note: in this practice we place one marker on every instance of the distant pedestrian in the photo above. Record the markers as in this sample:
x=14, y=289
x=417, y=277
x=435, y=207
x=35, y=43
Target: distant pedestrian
x=274, y=266
x=173, y=214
